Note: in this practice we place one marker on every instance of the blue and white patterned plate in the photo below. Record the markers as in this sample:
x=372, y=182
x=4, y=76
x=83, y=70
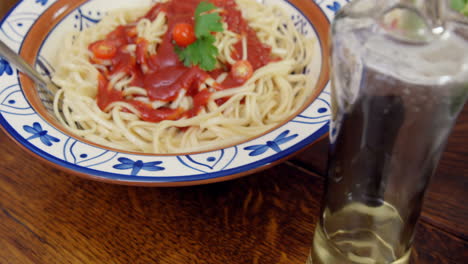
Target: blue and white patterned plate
x=31, y=130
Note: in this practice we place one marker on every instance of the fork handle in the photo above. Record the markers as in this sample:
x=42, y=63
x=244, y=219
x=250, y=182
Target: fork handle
x=20, y=64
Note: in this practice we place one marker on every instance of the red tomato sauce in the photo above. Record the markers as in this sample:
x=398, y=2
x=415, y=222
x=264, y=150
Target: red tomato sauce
x=163, y=75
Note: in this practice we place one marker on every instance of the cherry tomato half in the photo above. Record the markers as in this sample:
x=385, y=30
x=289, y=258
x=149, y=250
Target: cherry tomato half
x=183, y=34
x=103, y=49
x=242, y=70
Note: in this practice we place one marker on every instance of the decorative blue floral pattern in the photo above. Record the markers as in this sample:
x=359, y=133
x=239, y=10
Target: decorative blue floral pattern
x=300, y=23
x=85, y=20
x=37, y=132
x=5, y=67
x=317, y=113
x=13, y=102
x=17, y=25
x=86, y=155
x=136, y=166
x=275, y=144
x=208, y=162
x=42, y=2
x=336, y=6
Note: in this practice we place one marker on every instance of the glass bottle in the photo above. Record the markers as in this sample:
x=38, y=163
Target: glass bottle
x=399, y=80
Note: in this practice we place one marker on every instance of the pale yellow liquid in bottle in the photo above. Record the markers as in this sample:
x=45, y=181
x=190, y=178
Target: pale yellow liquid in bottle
x=374, y=241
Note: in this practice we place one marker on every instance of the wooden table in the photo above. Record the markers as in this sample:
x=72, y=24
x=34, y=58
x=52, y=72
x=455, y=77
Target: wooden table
x=48, y=216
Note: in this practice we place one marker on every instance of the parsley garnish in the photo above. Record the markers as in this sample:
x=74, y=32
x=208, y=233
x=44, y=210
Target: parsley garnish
x=461, y=6
x=206, y=21
x=203, y=52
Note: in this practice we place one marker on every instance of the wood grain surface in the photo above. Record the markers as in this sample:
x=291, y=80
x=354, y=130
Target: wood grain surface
x=48, y=216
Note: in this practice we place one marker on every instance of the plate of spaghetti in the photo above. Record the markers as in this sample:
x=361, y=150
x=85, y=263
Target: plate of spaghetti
x=167, y=92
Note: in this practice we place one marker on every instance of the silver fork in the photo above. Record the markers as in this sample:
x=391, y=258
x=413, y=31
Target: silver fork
x=46, y=90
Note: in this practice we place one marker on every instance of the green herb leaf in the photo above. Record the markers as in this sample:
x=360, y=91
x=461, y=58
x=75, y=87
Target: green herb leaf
x=202, y=52
x=458, y=4
x=208, y=23
x=461, y=6
x=205, y=23
x=205, y=7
